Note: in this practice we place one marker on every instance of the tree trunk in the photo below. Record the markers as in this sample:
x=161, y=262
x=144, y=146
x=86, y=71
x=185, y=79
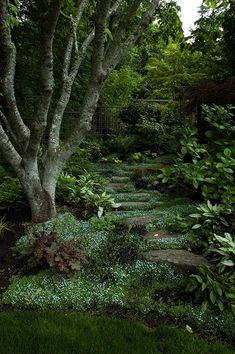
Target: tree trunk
x=41, y=197
x=42, y=207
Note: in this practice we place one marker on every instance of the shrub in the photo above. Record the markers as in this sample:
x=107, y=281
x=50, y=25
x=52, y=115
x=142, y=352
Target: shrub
x=138, y=112
x=90, y=150
x=204, y=166
x=121, y=144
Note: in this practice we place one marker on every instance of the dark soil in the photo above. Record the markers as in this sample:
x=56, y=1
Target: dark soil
x=9, y=265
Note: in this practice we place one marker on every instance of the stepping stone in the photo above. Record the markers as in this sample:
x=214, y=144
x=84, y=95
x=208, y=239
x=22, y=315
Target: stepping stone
x=134, y=206
x=139, y=221
x=122, y=187
x=122, y=173
x=180, y=258
x=146, y=167
x=135, y=197
x=159, y=235
x=119, y=179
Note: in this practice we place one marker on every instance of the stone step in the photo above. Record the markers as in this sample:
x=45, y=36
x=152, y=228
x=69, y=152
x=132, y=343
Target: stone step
x=160, y=234
x=120, y=179
x=134, y=206
x=145, y=166
x=122, y=187
x=182, y=259
x=139, y=221
x=134, y=197
x=122, y=173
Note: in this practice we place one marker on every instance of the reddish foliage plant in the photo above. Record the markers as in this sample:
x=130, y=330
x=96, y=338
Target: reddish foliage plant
x=65, y=258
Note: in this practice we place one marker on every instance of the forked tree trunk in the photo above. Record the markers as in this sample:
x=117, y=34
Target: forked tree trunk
x=41, y=197
x=42, y=206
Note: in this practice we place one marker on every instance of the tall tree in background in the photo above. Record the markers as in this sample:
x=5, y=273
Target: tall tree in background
x=21, y=143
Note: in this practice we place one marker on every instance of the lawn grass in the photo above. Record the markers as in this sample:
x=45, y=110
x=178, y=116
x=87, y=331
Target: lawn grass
x=31, y=332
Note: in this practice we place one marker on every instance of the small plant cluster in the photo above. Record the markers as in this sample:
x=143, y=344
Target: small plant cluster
x=85, y=193
x=48, y=251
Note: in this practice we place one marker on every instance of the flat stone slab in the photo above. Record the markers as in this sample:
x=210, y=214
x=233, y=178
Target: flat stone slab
x=180, y=258
x=122, y=187
x=159, y=235
x=120, y=179
x=134, y=197
x=140, y=220
x=134, y=206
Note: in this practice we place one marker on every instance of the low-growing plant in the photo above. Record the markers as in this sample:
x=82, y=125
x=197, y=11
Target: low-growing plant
x=106, y=223
x=211, y=215
x=85, y=193
x=47, y=251
x=212, y=289
x=98, y=203
x=210, y=218
x=118, y=247
x=223, y=251
x=111, y=159
x=178, y=223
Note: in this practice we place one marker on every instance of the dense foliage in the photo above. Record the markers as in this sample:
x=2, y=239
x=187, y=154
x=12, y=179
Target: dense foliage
x=156, y=173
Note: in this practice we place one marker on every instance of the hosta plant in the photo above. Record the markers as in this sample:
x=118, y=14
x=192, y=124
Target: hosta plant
x=98, y=203
x=223, y=250
x=212, y=289
x=211, y=215
x=209, y=219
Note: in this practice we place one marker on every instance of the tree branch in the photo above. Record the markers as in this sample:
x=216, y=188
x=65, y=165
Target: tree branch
x=9, y=152
x=123, y=27
x=10, y=132
x=7, y=81
x=116, y=51
x=68, y=81
x=72, y=37
x=91, y=98
x=48, y=27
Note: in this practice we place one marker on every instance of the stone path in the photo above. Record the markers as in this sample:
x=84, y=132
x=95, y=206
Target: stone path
x=136, y=201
